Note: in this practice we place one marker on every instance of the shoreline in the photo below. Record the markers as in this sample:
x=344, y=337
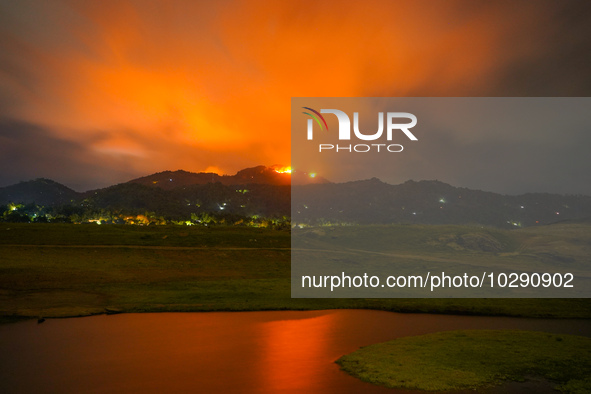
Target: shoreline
x=14, y=318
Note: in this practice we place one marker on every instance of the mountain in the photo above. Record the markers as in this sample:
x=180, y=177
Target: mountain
x=180, y=202
x=430, y=202
x=274, y=175
x=266, y=192
x=39, y=191
x=259, y=191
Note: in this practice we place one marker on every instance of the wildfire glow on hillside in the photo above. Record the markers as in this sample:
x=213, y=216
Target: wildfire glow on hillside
x=282, y=170
x=121, y=89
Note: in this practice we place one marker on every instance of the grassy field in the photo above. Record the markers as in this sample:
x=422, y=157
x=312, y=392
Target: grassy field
x=406, y=250
x=472, y=359
x=552, y=246
x=55, y=270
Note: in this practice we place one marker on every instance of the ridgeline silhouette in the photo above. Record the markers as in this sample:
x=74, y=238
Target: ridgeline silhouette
x=263, y=192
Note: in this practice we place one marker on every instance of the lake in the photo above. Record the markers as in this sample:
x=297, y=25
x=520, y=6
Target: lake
x=245, y=352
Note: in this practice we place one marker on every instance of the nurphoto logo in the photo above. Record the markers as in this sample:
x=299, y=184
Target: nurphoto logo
x=392, y=127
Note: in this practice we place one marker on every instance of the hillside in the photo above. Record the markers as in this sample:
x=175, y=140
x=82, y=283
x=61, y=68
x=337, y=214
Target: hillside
x=39, y=191
x=169, y=180
x=266, y=192
x=430, y=202
x=250, y=200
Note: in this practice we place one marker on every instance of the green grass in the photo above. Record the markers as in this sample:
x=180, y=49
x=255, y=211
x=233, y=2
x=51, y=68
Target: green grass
x=456, y=360
x=169, y=236
x=55, y=270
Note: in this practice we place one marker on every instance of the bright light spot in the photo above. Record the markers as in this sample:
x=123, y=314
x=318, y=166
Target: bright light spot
x=558, y=213
x=282, y=170
x=442, y=200
x=313, y=175
x=522, y=207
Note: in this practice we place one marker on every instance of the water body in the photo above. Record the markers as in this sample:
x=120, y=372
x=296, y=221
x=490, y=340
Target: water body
x=237, y=352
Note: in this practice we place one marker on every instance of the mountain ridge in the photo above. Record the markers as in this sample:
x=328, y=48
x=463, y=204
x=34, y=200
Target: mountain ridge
x=264, y=191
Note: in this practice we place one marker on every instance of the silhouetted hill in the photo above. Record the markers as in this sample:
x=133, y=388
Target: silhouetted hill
x=250, y=200
x=170, y=179
x=430, y=202
x=256, y=175
x=265, y=192
x=39, y=191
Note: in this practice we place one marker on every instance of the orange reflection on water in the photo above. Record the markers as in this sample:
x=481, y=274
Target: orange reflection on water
x=294, y=354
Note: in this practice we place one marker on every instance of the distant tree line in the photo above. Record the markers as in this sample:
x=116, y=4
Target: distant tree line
x=81, y=214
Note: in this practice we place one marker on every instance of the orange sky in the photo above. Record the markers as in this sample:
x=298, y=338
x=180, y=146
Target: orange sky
x=134, y=87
